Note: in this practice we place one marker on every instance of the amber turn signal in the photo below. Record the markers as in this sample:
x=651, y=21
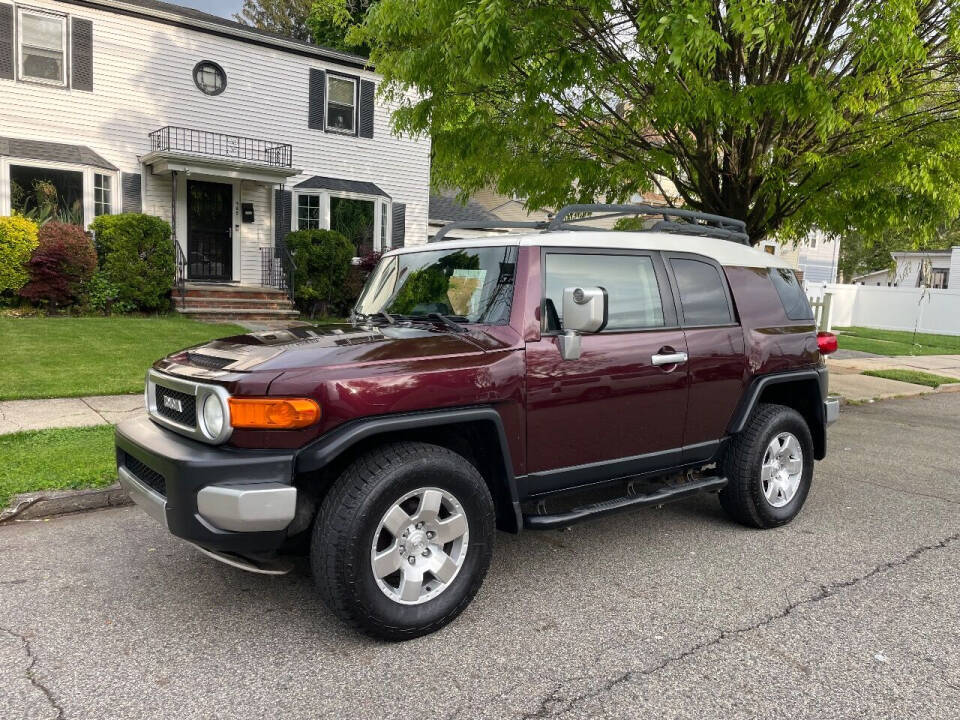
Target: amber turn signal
x=273, y=413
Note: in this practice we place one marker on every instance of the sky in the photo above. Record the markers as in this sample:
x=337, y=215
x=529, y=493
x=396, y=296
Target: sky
x=224, y=8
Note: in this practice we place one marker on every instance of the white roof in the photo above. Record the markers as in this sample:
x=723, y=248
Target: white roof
x=725, y=252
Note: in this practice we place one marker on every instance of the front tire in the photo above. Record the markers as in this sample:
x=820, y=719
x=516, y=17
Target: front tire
x=769, y=468
x=403, y=540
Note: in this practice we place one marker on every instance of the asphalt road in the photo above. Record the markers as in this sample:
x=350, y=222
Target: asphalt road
x=852, y=611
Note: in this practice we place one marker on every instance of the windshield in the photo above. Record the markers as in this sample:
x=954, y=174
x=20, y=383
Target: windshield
x=472, y=285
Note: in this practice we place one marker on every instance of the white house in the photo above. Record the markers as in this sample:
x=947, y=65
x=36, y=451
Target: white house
x=234, y=135
x=817, y=256
x=931, y=268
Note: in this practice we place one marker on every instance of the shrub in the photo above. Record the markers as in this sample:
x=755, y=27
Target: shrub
x=323, y=260
x=103, y=296
x=18, y=238
x=137, y=258
x=61, y=265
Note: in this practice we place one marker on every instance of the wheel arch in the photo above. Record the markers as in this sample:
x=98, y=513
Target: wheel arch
x=477, y=433
x=802, y=390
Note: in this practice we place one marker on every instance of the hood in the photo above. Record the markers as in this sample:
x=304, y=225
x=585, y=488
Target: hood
x=328, y=345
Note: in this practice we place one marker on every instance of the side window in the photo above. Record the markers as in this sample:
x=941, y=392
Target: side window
x=702, y=295
x=633, y=293
x=794, y=299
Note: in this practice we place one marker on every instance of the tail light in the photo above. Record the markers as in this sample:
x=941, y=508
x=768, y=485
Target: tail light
x=827, y=342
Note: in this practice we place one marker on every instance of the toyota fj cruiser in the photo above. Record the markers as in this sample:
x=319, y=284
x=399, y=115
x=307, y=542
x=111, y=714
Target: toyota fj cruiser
x=515, y=381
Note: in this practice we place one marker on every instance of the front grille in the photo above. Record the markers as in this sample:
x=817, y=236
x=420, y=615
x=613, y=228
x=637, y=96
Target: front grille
x=177, y=406
x=149, y=477
x=209, y=361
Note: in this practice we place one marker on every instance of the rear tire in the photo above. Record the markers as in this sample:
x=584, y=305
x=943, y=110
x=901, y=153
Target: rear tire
x=396, y=516
x=769, y=468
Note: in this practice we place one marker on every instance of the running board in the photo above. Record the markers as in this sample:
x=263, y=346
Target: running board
x=664, y=495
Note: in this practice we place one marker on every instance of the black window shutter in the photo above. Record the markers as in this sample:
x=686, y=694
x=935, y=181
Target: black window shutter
x=399, y=225
x=367, y=91
x=130, y=191
x=318, y=92
x=81, y=51
x=282, y=203
x=6, y=42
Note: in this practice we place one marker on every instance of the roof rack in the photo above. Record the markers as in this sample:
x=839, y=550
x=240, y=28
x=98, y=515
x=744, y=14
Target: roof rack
x=679, y=221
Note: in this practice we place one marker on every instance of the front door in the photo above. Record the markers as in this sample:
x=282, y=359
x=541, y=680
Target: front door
x=209, y=231
x=613, y=412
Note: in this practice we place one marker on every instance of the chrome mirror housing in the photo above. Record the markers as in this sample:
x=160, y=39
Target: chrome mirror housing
x=584, y=311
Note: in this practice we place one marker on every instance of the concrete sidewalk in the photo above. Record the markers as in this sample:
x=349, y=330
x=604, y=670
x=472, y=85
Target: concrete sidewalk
x=846, y=380
x=17, y=415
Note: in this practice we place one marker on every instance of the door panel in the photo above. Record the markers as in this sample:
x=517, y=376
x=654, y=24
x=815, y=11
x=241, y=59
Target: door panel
x=209, y=231
x=717, y=368
x=611, y=403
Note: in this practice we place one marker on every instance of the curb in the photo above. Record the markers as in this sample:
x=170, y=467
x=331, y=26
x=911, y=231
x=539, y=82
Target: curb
x=40, y=505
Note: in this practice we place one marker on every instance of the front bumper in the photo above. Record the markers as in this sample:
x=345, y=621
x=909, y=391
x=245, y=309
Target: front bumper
x=221, y=498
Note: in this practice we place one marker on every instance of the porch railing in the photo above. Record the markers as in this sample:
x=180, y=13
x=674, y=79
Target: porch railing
x=277, y=269
x=203, y=142
x=180, y=276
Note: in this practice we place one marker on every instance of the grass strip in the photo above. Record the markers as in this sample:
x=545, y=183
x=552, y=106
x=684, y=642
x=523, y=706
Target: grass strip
x=916, y=377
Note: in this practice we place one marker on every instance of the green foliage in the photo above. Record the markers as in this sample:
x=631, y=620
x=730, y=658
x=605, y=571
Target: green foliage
x=897, y=342
x=860, y=253
x=61, y=265
x=43, y=205
x=789, y=116
x=284, y=17
x=103, y=296
x=18, y=238
x=137, y=257
x=330, y=22
x=323, y=260
x=916, y=377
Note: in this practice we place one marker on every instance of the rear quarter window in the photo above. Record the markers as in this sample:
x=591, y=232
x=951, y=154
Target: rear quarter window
x=791, y=292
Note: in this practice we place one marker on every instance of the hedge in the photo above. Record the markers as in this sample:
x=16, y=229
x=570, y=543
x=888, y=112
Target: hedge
x=136, y=258
x=18, y=238
x=323, y=260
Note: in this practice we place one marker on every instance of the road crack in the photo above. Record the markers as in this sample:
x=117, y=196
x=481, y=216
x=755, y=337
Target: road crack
x=555, y=705
x=30, y=672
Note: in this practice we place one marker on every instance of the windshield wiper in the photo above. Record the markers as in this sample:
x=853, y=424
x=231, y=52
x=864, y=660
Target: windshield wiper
x=448, y=322
x=379, y=314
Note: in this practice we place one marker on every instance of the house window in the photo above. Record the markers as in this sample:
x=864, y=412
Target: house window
x=939, y=278
x=308, y=212
x=354, y=220
x=102, y=195
x=383, y=227
x=43, y=42
x=209, y=78
x=341, y=104
x=47, y=193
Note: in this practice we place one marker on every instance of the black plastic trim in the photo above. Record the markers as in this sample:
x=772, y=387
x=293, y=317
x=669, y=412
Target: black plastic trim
x=750, y=397
x=327, y=448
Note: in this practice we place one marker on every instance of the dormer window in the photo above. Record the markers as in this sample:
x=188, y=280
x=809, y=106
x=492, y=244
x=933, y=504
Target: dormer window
x=341, y=104
x=42, y=48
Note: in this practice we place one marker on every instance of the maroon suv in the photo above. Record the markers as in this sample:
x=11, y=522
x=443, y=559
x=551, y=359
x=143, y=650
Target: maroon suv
x=515, y=381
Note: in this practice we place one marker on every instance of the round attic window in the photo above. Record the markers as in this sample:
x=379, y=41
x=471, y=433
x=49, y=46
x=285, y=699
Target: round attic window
x=209, y=77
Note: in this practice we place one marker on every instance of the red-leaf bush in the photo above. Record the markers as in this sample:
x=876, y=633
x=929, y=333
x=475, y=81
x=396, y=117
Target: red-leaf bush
x=60, y=266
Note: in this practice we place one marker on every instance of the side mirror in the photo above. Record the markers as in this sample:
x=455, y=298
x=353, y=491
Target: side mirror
x=584, y=311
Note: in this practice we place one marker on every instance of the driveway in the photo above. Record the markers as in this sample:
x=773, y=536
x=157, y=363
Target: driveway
x=852, y=611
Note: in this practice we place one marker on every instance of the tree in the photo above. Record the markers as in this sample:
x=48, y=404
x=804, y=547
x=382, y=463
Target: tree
x=331, y=20
x=284, y=17
x=861, y=254
x=839, y=114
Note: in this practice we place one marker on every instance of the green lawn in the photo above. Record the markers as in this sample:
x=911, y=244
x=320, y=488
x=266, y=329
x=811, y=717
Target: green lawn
x=70, y=357
x=896, y=342
x=912, y=376
x=56, y=460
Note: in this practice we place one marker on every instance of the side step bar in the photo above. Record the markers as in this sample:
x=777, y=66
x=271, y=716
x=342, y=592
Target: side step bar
x=668, y=494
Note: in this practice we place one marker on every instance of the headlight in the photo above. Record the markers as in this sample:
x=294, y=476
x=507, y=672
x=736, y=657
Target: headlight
x=213, y=415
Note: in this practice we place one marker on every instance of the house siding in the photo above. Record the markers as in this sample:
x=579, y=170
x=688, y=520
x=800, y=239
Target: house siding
x=142, y=80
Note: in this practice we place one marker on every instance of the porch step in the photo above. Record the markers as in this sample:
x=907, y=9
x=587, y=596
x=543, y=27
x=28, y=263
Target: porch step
x=234, y=302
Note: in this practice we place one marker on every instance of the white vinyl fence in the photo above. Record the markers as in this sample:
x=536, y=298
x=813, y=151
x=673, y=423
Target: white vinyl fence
x=887, y=308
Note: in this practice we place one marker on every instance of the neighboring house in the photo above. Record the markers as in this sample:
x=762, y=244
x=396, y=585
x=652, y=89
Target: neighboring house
x=817, y=257
x=445, y=208
x=932, y=268
x=233, y=134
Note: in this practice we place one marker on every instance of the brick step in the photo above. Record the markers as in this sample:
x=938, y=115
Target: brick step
x=253, y=303
x=227, y=313
x=254, y=294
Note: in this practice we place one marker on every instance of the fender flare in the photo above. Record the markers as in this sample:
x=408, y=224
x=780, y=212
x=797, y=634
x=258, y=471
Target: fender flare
x=325, y=449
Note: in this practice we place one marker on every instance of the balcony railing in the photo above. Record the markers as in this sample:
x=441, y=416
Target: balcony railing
x=202, y=142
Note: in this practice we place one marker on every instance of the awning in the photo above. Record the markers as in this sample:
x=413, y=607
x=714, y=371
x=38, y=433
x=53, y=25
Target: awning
x=163, y=162
x=339, y=185
x=44, y=151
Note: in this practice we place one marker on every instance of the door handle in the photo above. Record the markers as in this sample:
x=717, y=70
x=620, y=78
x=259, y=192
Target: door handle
x=669, y=358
